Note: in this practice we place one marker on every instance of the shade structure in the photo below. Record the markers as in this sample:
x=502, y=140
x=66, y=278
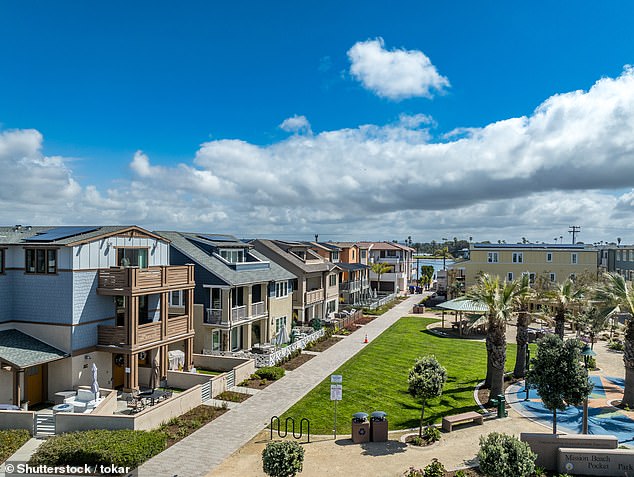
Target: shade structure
x=94, y=387
x=464, y=305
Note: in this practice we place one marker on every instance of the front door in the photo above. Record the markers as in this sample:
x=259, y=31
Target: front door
x=118, y=371
x=33, y=377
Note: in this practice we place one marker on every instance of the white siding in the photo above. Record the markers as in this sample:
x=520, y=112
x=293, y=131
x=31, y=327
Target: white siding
x=102, y=253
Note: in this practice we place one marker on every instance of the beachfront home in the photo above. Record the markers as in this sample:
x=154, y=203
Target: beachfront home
x=398, y=257
x=73, y=296
x=553, y=262
x=241, y=298
x=316, y=288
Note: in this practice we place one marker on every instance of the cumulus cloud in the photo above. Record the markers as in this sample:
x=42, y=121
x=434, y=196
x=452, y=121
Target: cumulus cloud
x=569, y=162
x=394, y=74
x=296, y=124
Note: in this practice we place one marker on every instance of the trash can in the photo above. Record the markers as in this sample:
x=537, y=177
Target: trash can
x=360, y=428
x=378, y=426
x=500, y=402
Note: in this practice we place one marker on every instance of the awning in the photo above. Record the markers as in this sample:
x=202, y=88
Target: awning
x=23, y=351
x=470, y=306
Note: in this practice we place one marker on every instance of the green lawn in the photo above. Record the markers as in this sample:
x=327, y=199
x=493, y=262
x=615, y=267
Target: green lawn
x=376, y=379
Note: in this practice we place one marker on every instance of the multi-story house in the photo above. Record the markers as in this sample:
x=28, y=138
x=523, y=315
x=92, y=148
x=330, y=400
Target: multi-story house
x=241, y=298
x=354, y=277
x=316, y=289
x=619, y=259
x=73, y=296
x=400, y=260
x=553, y=262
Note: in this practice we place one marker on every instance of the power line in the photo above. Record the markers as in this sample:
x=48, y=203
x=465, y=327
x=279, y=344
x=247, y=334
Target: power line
x=574, y=229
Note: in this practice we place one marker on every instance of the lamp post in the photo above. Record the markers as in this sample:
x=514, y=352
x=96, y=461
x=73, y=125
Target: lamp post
x=528, y=367
x=587, y=353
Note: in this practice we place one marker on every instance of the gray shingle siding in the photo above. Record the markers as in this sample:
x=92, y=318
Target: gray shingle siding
x=42, y=298
x=87, y=305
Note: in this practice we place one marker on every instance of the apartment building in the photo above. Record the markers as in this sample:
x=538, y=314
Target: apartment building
x=400, y=260
x=316, y=288
x=74, y=296
x=241, y=297
x=554, y=262
x=354, y=277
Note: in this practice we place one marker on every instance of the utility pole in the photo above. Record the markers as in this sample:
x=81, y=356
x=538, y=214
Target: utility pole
x=574, y=229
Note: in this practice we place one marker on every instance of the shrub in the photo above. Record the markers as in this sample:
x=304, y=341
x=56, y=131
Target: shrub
x=272, y=373
x=460, y=473
x=416, y=441
x=616, y=345
x=502, y=455
x=414, y=472
x=282, y=458
x=11, y=440
x=431, y=434
x=435, y=469
x=123, y=448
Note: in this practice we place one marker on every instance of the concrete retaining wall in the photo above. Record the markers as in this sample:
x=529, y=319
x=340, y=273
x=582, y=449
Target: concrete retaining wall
x=152, y=417
x=109, y=404
x=69, y=422
x=218, y=363
x=17, y=420
x=183, y=380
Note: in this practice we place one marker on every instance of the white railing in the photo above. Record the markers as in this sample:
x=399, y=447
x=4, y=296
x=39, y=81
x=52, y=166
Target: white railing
x=258, y=308
x=381, y=302
x=239, y=313
x=270, y=359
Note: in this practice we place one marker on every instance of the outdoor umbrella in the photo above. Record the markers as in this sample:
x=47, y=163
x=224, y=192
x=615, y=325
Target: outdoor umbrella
x=154, y=375
x=282, y=336
x=95, y=385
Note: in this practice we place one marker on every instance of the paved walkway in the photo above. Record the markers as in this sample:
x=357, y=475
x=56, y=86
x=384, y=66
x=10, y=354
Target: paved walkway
x=202, y=451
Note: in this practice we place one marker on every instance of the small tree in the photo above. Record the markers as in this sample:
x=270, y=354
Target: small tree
x=558, y=375
x=380, y=268
x=282, y=459
x=502, y=455
x=426, y=380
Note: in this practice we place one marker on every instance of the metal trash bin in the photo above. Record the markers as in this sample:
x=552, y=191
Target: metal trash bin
x=378, y=426
x=500, y=402
x=360, y=428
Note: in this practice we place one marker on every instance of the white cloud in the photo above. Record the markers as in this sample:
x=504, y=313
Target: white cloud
x=394, y=74
x=570, y=162
x=296, y=124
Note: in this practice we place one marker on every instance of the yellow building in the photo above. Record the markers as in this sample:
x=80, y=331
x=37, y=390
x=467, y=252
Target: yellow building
x=554, y=262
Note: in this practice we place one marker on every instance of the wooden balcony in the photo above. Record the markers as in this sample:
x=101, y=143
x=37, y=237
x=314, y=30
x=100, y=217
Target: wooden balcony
x=111, y=336
x=116, y=336
x=314, y=296
x=177, y=325
x=134, y=281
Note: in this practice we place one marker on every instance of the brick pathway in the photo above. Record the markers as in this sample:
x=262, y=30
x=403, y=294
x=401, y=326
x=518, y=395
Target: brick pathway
x=202, y=451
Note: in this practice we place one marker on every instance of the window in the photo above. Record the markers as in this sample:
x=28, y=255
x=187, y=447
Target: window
x=552, y=277
x=2, y=254
x=493, y=257
x=281, y=289
x=391, y=253
x=631, y=255
x=132, y=257
x=215, y=340
x=518, y=257
x=531, y=276
x=177, y=298
x=574, y=258
x=363, y=254
x=330, y=307
x=334, y=257
x=509, y=277
x=619, y=255
x=332, y=280
x=39, y=260
x=233, y=255
x=549, y=256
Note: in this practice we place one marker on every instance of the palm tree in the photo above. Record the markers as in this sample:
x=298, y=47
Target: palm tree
x=563, y=297
x=524, y=295
x=500, y=300
x=616, y=295
x=380, y=268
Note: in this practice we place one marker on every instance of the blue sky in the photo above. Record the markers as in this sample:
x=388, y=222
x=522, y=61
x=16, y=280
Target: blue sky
x=124, y=95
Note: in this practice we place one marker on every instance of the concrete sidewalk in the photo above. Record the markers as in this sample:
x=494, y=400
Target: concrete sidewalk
x=204, y=450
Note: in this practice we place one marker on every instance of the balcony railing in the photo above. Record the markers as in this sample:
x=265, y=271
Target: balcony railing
x=352, y=286
x=148, y=333
x=213, y=316
x=239, y=313
x=177, y=326
x=314, y=296
x=111, y=335
x=258, y=309
x=118, y=280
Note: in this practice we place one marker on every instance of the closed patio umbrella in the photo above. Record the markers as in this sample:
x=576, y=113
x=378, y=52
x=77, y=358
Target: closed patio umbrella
x=94, y=387
x=154, y=375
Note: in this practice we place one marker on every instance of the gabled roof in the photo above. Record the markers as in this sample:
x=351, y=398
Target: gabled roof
x=352, y=266
x=20, y=235
x=283, y=250
x=186, y=243
x=23, y=351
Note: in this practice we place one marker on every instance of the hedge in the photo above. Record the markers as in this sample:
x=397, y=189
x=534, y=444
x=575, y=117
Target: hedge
x=11, y=440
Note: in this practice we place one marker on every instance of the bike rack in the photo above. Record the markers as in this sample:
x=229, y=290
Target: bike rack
x=295, y=436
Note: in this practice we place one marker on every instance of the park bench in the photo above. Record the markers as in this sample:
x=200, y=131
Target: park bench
x=449, y=421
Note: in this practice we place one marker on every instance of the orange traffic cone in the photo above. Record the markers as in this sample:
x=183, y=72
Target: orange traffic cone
x=366, y=339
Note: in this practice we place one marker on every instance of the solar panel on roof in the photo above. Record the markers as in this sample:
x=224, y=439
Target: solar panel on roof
x=219, y=238
x=60, y=233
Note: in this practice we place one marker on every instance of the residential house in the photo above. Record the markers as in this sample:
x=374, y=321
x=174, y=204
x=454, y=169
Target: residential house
x=354, y=277
x=74, y=296
x=316, y=289
x=400, y=259
x=553, y=262
x=241, y=297
x=619, y=259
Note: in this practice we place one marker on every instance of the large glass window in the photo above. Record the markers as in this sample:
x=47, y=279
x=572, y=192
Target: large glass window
x=40, y=260
x=215, y=340
x=492, y=257
x=233, y=255
x=132, y=257
x=281, y=289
